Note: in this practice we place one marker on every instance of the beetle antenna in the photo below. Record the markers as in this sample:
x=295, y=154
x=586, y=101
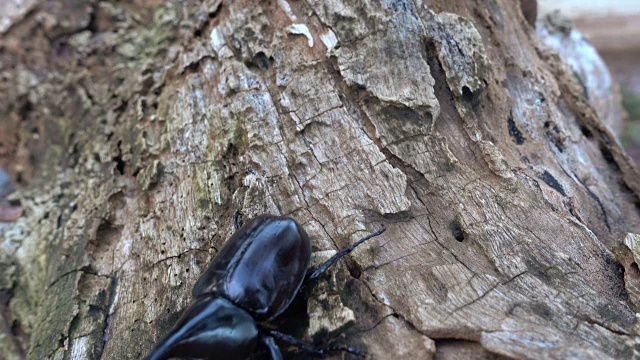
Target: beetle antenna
x=327, y=264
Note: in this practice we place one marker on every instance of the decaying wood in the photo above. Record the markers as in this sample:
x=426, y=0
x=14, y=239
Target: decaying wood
x=137, y=129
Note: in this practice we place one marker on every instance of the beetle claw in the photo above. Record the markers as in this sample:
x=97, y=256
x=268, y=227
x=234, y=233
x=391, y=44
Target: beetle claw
x=312, y=349
x=274, y=350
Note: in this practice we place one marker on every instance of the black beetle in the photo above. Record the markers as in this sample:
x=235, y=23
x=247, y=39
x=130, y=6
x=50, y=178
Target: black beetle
x=252, y=280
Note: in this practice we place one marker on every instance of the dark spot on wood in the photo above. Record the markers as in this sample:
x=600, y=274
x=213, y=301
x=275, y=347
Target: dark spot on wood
x=555, y=136
x=120, y=164
x=606, y=153
x=260, y=61
x=537, y=269
x=456, y=230
x=93, y=22
x=543, y=310
x=355, y=270
x=551, y=181
x=402, y=113
x=586, y=132
x=471, y=97
x=514, y=132
x=467, y=95
x=215, y=11
x=25, y=110
x=614, y=314
x=205, y=204
x=615, y=277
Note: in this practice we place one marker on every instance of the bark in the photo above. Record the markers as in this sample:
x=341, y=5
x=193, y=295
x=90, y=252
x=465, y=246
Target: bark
x=135, y=130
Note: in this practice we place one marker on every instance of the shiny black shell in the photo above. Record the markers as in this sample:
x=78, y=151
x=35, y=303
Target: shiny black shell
x=261, y=267
x=211, y=328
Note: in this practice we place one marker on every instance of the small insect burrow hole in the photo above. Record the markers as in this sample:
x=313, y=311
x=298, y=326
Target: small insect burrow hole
x=456, y=231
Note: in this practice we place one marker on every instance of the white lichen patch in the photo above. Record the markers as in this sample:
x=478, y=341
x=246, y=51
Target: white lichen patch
x=301, y=29
x=329, y=40
x=80, y=348
x=216, y=39
x=284, y=5
x=219, y=44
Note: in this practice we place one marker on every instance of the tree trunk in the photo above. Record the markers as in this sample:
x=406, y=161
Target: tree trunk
x=135, y=130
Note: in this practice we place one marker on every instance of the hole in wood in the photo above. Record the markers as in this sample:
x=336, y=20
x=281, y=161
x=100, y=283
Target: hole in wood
x=456, y=230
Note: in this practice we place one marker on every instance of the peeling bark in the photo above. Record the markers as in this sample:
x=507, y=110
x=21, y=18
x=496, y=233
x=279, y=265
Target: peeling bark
x=136, y=130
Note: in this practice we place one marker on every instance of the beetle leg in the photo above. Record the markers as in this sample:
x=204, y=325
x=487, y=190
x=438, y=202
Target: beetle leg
x=312, y=349
x=274, y=350
x=237, y=219
x=327, y=264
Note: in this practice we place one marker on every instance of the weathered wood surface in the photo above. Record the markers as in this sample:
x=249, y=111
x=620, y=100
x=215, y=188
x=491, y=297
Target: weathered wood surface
x=138, y=128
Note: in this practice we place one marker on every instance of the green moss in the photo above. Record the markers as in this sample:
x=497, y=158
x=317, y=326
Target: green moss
x=631, y=103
